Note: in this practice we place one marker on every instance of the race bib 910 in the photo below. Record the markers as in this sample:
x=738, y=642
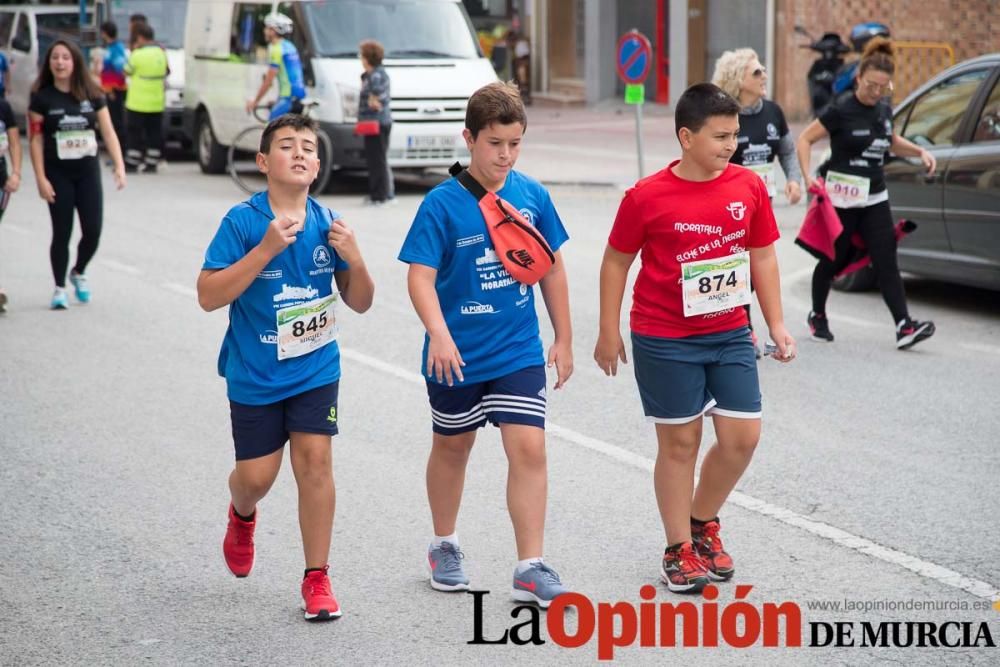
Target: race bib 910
x=846, y=190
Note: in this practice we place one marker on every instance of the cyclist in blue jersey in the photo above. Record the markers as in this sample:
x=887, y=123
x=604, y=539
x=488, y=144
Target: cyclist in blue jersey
x=285, y=65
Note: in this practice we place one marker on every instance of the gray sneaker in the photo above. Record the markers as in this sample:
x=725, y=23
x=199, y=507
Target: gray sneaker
x=539, y=584
x=445, y=565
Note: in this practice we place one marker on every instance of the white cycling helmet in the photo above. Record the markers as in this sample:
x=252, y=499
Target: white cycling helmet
x=279, y=23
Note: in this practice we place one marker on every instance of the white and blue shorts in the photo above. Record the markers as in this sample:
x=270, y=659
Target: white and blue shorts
x=517, y=398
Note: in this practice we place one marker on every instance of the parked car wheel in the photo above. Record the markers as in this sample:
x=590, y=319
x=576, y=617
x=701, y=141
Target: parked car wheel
x=211, y=154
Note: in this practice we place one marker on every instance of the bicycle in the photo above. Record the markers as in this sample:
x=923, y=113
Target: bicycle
x=241, y=158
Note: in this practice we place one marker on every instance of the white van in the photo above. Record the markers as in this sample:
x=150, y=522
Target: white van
x=26, y=32
x=432, y=58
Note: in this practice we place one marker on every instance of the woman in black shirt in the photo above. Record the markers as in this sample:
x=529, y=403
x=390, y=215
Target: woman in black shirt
x=764, y=134
x=66, y=109
x=859, y=124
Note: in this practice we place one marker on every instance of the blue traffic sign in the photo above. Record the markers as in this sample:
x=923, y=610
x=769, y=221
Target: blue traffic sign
x=635, y=55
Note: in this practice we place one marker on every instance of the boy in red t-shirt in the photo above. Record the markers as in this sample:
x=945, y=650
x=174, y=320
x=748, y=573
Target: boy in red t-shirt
x=706, y=230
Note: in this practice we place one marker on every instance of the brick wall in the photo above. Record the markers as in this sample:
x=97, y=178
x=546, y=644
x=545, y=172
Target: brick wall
x=970, y=27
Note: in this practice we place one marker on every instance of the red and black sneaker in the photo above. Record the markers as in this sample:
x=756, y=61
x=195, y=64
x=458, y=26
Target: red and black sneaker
x=683, y=570
x=819, y=327
x=318, y=602
x=708, y=544
x=237, y=546
x=910, y=332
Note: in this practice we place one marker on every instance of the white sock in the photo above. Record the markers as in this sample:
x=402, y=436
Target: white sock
x=453, y=538
x=524, y=565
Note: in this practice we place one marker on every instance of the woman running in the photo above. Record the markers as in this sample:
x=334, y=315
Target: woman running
x=859, y=124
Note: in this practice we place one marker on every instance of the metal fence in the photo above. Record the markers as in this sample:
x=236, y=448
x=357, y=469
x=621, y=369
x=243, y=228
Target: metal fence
x=916, y=62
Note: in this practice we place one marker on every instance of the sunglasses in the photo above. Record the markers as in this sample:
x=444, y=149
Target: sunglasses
x=877, y=87
x=759, y=72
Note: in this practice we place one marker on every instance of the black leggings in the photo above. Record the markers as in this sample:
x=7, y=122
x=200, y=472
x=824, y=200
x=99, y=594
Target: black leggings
x=874, y=224
x=79, y=190
x=376, y=147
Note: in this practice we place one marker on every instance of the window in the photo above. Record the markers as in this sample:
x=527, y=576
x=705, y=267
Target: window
x=6, y=23
x=407, y=28
x=22, y=36
x=937, y=115
x=988, y=127
x=246, y=40
x=166, y=19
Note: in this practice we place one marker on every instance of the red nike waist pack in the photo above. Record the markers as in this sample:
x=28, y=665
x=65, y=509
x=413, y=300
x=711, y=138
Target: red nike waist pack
x=524, y=252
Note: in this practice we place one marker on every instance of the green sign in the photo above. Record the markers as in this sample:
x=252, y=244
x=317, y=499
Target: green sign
x=635, y=93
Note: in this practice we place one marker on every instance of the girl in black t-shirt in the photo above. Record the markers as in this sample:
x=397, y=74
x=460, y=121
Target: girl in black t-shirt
x=66, y=109
x=859, y=124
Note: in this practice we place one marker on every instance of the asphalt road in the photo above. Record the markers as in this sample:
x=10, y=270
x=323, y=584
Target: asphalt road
x=875, y=479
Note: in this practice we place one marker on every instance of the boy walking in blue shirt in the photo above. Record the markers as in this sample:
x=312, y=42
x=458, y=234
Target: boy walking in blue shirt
x=482, y=358
x=273, y=262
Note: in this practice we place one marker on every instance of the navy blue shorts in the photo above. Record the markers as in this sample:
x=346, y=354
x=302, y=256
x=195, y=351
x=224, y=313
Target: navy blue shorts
x=259, y=430
x=518, y=398
x=682, y=379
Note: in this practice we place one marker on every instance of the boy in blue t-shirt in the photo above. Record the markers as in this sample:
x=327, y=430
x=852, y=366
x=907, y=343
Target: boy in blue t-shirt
x=482, y=357
x=271, y=262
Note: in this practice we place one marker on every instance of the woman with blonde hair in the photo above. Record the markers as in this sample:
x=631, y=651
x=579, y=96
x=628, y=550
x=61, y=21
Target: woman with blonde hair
x=859, y=124
x=763, y=133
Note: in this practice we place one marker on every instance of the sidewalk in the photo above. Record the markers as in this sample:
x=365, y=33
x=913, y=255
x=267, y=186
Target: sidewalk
x=596, y=144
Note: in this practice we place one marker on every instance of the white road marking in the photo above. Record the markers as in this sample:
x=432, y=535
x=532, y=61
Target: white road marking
x=806, y=307
x=833, y=534
x=185, y=290
x=16, y=229
x=121, y=267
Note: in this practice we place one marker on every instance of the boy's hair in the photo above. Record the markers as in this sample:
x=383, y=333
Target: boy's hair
x=699, y=103
x=496, y=102
x=110, y=29
x=878, y=55
x=145, y=31
x=138, y=18
x=296, y=121
x=372, y=51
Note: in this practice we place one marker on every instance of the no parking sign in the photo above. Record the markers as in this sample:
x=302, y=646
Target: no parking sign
x=634, y=57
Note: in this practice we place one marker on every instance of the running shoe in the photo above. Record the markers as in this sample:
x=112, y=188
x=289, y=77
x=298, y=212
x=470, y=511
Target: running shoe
x=445, y=565
x=3, y=301
x=910, y=332
x=81, y=286
x=539, y=584
x=708, y=544
x=59, y=299
x=683, y=570
x=819, y=327
x=237, y=547
x=318, y=601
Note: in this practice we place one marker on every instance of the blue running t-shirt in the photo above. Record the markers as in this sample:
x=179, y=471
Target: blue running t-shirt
x=301, y=273
x=490, y=315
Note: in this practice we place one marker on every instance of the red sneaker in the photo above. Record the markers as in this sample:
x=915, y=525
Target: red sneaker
x=708, y=544
x=237, y=546
x=683, y=570
x=317, y=597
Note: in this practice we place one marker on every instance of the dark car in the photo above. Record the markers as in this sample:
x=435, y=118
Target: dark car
x=956, y=116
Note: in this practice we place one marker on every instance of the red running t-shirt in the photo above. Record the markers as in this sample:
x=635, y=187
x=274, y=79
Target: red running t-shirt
x=672, y=220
